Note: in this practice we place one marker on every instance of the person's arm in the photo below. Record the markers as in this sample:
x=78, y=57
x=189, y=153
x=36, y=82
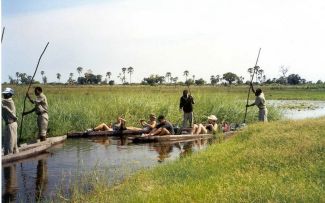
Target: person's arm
x=192, y=100
x=181, y=104
x=31, y=101
x=28, y=112
x=152, y=125
x=7, y=110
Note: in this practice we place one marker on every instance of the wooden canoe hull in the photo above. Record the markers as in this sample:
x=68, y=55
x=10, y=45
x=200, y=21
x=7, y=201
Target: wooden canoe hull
x=104, y=133
x=30, y=150
x=169, y=138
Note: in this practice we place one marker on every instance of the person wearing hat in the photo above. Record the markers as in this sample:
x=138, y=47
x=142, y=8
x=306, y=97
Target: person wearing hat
x=210, y=128
x=163, y=128
x=9, y=116
x=41, y=109
x=260, y=103
x=186, y=105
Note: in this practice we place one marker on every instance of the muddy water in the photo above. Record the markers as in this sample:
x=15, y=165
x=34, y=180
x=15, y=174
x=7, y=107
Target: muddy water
x=41, y=177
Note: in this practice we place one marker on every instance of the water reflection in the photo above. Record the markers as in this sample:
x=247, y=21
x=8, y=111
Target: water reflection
x=41, y=179
x=10, y=185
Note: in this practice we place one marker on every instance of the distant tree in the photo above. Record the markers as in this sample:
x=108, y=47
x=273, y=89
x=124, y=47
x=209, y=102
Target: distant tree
x=108, y=75
x=189, y=82
x=193, y=76
x=122, y=78
x=319, y=82
x=168, y=76
x=17, y=76
x=200, y=81
x=71, y=75
x=175, y=79
x=130, y=71
x=111, y=82
x=186, y=73
x=44, y=78
x=281, y=80
x=42, y=73
x=294, y=79
x=213, y=80
x=11, y=80
x=230, y=77
x=124, y=71
x=240, y=80
x=79, y=70
x=153, y=80
x=284, y=70
x=58, y=76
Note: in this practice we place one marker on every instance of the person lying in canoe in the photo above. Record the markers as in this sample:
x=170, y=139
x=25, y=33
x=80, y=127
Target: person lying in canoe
x=118, y=125
x=210, y=128
x=163, y=128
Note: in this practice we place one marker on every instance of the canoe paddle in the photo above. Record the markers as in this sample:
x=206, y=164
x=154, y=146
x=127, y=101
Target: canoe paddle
x=249, y=89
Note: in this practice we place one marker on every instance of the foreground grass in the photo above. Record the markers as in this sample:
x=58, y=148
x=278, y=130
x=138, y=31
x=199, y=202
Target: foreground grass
x=275, y=162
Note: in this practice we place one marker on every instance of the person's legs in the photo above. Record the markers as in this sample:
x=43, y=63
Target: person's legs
x=102, y=127
x=7, y=141
x=190, y=119
x=184, y=120
x=13, y=130
x=156, y=132
x=164, y=131
x=262, y=115
x=42, y=127
x=202, y=130
x=194, y=129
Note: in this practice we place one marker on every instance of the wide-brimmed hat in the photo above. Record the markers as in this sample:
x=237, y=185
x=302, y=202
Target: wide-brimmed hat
x=212, y=117
x=152, y=116
x=8, y=90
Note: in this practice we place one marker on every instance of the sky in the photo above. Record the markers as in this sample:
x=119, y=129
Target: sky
x=205, y=37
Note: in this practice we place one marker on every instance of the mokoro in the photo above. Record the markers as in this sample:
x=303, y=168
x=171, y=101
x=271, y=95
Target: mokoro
x=29, y=150
x=169, y=138
x=104, y=133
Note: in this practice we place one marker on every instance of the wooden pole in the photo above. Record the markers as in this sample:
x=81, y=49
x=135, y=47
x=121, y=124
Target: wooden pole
x=30, y=83
x=3, y=32
x=249, y=89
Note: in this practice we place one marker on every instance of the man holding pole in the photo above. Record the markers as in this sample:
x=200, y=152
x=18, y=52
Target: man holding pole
x=260, y=103
x=186, y=104
x=41, y=109
x=9, y=116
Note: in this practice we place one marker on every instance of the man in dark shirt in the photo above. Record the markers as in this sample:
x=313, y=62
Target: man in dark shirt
x=163, y=128
x=186, y=104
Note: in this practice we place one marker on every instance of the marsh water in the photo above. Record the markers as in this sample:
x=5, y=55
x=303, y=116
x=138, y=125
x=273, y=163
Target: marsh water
x=64, y=165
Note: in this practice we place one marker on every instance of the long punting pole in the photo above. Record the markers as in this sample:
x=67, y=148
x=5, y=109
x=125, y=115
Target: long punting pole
x=30, y=83
x=249, y=89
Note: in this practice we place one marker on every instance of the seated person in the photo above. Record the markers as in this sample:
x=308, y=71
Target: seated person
x=210, y=128
x=163, y=128
x=151, y=124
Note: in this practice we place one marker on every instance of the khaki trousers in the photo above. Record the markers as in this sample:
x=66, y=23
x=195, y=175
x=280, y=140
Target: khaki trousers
x=10, y=138
x=42, y=124
x=262, y=115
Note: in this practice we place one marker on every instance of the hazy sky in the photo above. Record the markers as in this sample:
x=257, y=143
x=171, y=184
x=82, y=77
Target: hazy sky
x=206, y=37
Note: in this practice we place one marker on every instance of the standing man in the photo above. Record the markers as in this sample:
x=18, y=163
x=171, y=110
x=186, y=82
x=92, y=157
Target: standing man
x=9, y=116
x=260, y=103
x=186, y=104
x=41, y=109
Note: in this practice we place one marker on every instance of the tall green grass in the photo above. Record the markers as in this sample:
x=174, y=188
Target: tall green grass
x=76, y=108
x=281, y=161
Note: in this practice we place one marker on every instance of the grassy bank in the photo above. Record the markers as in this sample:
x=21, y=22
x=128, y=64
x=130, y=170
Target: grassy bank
x=76, y=108
x=273, y=162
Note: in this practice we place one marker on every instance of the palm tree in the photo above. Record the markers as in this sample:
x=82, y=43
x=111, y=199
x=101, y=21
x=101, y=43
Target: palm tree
x=169, y=76
x=123, y=71
x=108, y=75
x=42, y=73
x=186, y=72
x=58, y=76
x=17, y=76
x=71, y=75
x=193, y=76
x=218, y=78
x=130, y=71
x=79, y=70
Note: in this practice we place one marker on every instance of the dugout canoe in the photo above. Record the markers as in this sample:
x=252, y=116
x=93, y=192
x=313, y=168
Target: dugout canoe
x=184, y=137
x=104, y=133
x=30, y=150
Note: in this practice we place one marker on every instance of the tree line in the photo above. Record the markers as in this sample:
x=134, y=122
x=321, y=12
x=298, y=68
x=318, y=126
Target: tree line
x=228, y=78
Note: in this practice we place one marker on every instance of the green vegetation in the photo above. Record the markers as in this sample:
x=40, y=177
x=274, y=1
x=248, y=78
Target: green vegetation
x=274, y=162
x=76, y=108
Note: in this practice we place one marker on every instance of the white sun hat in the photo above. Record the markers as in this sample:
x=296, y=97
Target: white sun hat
x=212, y=117
x=8, y=90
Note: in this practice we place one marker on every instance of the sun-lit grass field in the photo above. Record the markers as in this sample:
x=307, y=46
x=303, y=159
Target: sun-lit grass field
x=282, y=161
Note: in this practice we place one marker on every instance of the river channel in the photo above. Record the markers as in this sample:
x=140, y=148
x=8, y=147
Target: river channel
x=41, y=177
